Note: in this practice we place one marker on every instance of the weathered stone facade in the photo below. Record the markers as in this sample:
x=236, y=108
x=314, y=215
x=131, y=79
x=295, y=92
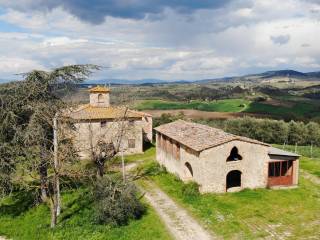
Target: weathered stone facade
x=98, y=121
x=210, y=167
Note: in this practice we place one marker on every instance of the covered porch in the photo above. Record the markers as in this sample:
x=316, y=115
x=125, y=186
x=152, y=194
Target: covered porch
x=283, y=168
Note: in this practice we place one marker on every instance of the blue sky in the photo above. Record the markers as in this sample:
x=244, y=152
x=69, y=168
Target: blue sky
x=164, y=39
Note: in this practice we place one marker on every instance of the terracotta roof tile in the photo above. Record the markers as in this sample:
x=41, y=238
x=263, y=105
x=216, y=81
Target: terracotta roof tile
x=199, y=137
x=86, y=112
x=99, y=89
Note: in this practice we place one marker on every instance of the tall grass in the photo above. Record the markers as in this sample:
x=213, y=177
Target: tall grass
x=75, y=222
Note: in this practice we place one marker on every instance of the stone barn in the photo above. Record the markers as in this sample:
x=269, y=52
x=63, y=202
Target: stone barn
x=98, y=121
x=222, y=162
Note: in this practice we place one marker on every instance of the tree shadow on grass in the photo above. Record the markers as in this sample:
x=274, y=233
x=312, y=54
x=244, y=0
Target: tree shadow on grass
x=18, y=203
x=73, y=207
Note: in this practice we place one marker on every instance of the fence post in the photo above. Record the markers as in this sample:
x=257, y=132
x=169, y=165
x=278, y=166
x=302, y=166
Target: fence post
x=311, y=150
x=295, y=148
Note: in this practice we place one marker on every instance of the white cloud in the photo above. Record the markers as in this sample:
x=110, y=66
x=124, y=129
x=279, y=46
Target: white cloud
x=236, y=39
x=62, y=41
x=18, y=65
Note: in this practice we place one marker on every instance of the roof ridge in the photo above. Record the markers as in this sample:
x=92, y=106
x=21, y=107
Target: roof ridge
x=205, y=127
x=200, y=137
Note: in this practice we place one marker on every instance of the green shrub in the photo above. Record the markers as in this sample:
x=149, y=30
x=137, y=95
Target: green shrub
x=153, y=168
x=116, y=202
x=190, y=189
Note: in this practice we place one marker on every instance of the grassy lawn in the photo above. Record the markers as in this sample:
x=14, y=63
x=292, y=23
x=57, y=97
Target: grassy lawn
x=146, y=156
x=19, y=221
x=227, y=105
x=310, y=165
x=306, y=163
x=252, y=214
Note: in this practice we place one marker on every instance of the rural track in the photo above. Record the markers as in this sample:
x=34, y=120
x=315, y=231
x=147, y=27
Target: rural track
x=180, y=224
x=314, y=179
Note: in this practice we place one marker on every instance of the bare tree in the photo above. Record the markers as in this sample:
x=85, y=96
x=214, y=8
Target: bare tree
x=106, y=144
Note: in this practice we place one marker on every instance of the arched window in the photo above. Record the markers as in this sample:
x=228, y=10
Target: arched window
x=100, y=98
x=233, y=179
x=188, y=172
x=234, y=155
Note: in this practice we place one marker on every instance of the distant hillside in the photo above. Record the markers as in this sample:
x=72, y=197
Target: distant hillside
x=280, y=75
x=133, y=82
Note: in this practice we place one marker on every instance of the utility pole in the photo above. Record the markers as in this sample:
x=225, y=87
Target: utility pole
x=123, y=167
x=56, y=163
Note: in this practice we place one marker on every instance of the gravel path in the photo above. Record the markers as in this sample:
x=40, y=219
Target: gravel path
x=309, y=176
x=181, y=225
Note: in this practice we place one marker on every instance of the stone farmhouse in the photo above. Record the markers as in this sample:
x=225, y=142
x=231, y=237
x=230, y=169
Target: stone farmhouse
x=222, y=162
x=98, y=121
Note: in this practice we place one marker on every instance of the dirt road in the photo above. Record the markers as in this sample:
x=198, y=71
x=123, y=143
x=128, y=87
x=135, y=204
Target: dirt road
x=181, y=225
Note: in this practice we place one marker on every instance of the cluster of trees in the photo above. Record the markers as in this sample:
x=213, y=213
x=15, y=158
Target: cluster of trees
x=272, y=131
x=265, y=130
x=36, y=155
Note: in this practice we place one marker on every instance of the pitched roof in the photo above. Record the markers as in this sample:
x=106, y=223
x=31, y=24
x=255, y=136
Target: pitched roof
x=199, y=137
x=99, y=89
x=280, y=152
x=88, y=112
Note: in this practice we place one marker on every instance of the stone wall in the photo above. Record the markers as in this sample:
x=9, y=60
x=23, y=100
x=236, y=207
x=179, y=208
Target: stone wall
x=91, y=132
x=214, y=167
x=100, y=99
x=210, y=168
x=147, y=128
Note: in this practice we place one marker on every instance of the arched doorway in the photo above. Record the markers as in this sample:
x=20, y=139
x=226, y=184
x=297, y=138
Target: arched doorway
x=188, y=172
x=233, y=179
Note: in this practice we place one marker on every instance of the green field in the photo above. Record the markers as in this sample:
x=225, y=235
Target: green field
x=306, y=151
x=227, y=105
x=19, y=220
x=297, y=109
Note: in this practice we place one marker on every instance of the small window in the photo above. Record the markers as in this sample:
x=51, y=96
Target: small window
x=280, y=169
x=103, y=124
x=234, y=155
x=100, y=98
x=131, y=123
x=131, y=143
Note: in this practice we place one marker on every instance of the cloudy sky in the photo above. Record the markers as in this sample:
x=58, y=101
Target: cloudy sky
x=162, y=39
